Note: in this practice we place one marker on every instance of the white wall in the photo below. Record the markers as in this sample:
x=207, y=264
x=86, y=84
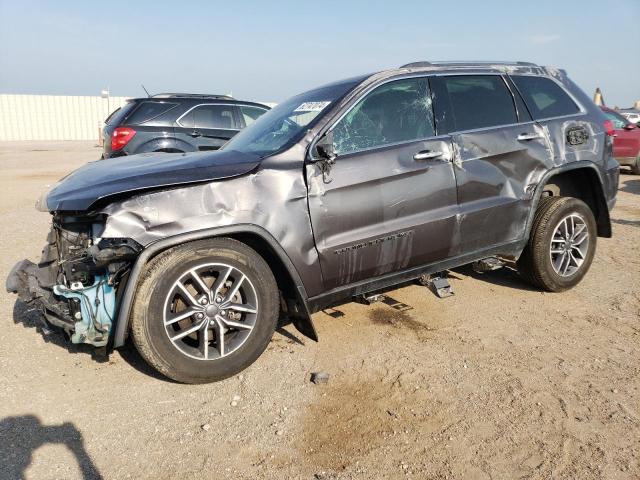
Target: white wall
x=54, y=117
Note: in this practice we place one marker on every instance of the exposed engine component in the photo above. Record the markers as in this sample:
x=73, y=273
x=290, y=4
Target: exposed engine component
x=93, y=309
x=74, y=285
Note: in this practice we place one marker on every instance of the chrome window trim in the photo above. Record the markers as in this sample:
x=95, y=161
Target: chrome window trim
x=218, y=103
x=438, y=138
x=428, y=74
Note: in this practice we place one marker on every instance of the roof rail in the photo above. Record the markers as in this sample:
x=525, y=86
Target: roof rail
x=417, y=65
x=462, y=63
x=192, y=95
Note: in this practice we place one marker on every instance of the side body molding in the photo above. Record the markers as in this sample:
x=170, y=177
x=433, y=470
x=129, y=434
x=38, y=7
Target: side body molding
x=303, y=323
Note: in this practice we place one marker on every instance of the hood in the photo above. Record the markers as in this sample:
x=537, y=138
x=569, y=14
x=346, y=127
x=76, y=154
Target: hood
x=97, y=180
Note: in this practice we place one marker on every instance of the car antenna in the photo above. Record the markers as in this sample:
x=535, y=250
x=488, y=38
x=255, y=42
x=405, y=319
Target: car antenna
x=145, y=90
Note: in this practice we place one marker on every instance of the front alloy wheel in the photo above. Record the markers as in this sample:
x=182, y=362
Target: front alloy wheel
x=205, y=310
x=210, y=311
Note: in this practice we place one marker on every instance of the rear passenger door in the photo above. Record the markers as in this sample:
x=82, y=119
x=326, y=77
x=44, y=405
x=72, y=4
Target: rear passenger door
x=208, y=126
x=499, y=152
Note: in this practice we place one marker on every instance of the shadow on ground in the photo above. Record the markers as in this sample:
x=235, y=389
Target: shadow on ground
x=30, y=317
x=506, y=276
x=630, y=186
x=20, y=436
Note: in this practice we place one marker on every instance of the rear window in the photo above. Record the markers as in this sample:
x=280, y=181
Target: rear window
x=148, y=111
x=544, y=97
x=214, y=116
x=469, y=102
x=119, y=114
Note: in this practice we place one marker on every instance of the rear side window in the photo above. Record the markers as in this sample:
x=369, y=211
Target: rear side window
x=468, y=102
x=210, y=116
x=250, y=114
x=119, y=114
x=544, y=97
x=148, y=111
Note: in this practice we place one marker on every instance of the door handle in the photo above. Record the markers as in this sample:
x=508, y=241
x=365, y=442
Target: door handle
x=427, y=154
x=195, y=133
x=525, y=137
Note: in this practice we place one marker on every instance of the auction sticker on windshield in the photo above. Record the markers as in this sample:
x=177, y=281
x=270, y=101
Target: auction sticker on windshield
x=311, y=106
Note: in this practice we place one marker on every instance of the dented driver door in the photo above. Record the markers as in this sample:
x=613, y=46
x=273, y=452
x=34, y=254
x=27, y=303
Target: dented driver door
x=389, y=200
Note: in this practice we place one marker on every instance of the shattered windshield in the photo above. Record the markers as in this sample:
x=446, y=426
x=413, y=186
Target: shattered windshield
x=284, y=124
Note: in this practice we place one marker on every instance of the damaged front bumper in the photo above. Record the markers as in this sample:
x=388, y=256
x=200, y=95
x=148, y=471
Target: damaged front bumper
x=74, y=285
x=84, y=314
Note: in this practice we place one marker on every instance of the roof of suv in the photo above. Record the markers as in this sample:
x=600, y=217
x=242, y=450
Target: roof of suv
x=476, y=66
x=193, y=97
x=496, y=67
x=462, y=63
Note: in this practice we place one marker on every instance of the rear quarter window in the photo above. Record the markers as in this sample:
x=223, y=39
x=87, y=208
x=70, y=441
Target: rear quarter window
x=119, y=114
x=250, y=114
x=544, y=97
x=148, y=111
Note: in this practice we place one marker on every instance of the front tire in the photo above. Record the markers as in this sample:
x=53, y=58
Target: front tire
x=205, y=310
x=561, y=245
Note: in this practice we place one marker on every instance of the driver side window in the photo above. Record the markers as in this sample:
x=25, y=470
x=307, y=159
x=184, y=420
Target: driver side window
x=396, y=112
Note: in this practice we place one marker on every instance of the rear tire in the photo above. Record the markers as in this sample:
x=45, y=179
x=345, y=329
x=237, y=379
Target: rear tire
x=561, y=245
x=205, y=310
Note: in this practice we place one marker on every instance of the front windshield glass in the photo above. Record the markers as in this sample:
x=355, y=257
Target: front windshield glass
x=283, y=125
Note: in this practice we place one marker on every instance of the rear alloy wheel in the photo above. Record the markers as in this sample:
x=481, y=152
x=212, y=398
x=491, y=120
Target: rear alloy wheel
x=205, y=310
x=561, y=244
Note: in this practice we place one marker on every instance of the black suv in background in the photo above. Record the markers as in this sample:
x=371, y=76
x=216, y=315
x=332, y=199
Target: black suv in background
x=176, y=122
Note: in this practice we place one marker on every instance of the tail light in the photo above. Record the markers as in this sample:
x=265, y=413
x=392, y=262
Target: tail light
x=121, y=136
x=608, y=128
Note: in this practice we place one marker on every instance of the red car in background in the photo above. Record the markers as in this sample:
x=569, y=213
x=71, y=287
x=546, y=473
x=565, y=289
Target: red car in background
x=626, y=142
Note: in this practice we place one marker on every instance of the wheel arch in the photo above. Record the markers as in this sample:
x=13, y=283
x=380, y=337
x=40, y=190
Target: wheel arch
x=287, y=277
x=580, y=180
x=159, y=144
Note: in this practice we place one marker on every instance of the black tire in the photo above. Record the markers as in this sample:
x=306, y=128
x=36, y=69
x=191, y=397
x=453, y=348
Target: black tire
x=148, y=328
x=535, y=264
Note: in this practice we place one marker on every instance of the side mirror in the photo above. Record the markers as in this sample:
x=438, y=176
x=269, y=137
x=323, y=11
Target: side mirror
x=324, y=147
x=630, y=126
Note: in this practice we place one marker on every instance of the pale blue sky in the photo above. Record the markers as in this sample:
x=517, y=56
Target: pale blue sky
x=271, y=50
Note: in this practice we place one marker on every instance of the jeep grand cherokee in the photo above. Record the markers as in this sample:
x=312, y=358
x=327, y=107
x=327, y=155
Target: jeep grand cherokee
x=344, y=190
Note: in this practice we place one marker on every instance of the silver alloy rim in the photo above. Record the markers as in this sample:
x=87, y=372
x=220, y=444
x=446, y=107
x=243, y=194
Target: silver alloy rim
x=569, y=245
x=210, y=311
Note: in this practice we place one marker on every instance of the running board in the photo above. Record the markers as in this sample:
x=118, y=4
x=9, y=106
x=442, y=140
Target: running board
x=368, y=299
x=438, y=284
x=487, y=265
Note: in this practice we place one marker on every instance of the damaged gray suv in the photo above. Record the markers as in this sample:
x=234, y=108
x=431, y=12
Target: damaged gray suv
x=342, y=191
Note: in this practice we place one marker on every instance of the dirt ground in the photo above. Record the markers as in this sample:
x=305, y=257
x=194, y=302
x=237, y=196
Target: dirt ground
x=497, y=382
